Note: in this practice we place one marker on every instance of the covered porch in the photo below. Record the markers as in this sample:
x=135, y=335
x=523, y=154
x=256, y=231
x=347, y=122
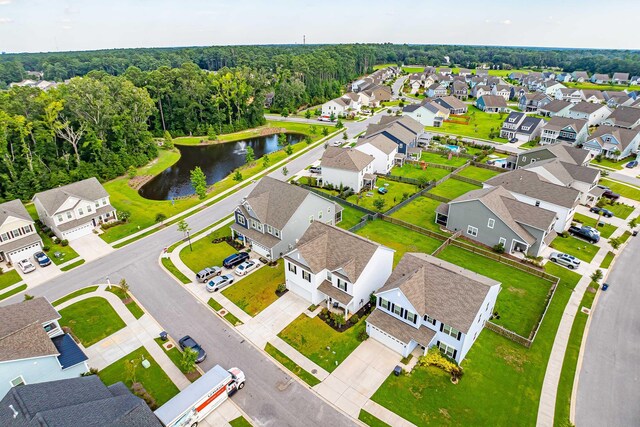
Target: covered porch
x=336, y=299
x=368, y=181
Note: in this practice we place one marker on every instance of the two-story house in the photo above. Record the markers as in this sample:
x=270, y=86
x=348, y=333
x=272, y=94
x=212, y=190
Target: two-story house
x=436, y=90
x=620, y=78
x=491, y=104
x=18, y=236
x=33, y=347
x=562, y=129
x=554, y=108
x=562, y=151
x=347, y=167
x=582, y=178
x=594, y=114
x=383, y=150
x=403, y=130
x=337, y=267
x=531, y=102
x=460, y=90
x=624, y=117
x=427, y=113
x=571, y=95
x=453, y=104
x=505, y=91
x=338, y=107
x=429, y=302
x=275, y=214
x=580, y=76
x=613, y=142
x=593, y=95
x=521, y=127
x=600, y=78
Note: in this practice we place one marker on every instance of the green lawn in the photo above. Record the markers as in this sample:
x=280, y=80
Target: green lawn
x=628, y=191
x=350, y=217
x=608, y=259
x=291, y=365
x=77, y=293
x=72, y=265
x=620, y=210
x=589, y=85
x=154, y=380
x=240, y=422
x=521, y=300
x=91, y=320
x=168, y=264
x=205, y=254
x=479, y=174
x=13, y=291
x=409, y=170
x=176, y=357
x=576, y=247
x=613, y=164
x=131, y=305
x=67, y=253
x=396, y=192
x=443, y=159
x=9, y=278
x=399, y=238
x=501, y=383
x=625, y=236
x=421, y=212
x=230, y=317
x=257, y=291
x=480, y=125
x=371, y=420
x=452, y=188
x=312, y=337
x=605, y=231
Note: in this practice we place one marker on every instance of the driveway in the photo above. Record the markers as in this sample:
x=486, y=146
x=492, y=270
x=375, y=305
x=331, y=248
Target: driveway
x=40, y=275
x=91, y=247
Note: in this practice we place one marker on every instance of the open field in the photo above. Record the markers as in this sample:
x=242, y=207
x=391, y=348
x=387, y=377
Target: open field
x=443, y=159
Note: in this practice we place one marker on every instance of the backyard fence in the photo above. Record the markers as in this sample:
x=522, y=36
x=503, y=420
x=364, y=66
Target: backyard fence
x=467, y=180
x=436, y=197
x=404, y=203
x=363, y=221
x=509, y=334
x=413, y=227
x=430, y=165
x=489, y=167
x=400, y=179
x=337, y=199
x=463, y=155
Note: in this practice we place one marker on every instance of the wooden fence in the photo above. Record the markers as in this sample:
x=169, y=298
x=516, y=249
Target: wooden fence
x=489, y=167
x=509, y=334
x=467, y=180
x=431, y=165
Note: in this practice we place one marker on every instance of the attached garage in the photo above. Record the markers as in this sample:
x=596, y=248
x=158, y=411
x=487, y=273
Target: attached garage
x=24, y=253
x=397, y=334
x=77, y=232
x=259, y=249
x=23, y=248
x=389, y=341
x=299, y=290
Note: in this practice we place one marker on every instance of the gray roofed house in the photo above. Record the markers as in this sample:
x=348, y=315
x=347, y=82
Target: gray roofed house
x=452, y=103
x=593, y=95
x=579, y=177
x=620, y=78
x=624, y=117
x=614, y=142
x=402, y=130
x=430, y=302
x=531, y=102
x=521, y=127
x=593, y=113
x=18, y=235
x=460, y=90
x=554, y=107
x=600, y=78
x=564, y=129
x=81, y=401
x=580, y=76
x=491, y=103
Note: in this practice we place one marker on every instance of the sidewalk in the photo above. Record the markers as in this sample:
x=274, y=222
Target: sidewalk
x=383, y=414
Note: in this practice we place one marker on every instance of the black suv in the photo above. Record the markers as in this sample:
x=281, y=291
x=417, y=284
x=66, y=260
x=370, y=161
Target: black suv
x=235, y=259
x=188, y=342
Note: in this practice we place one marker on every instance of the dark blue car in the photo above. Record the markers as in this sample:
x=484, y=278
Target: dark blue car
x=235, y=259
x=42, y=259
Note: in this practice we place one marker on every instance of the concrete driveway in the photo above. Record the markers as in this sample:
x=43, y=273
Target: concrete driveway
x=91, y=247
x=40, y=275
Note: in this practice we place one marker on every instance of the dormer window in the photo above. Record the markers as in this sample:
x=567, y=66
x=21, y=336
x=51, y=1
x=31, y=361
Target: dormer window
x=59, y=218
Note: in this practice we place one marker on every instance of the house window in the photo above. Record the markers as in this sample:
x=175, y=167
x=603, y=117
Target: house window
x=397, y=310
x=450, y=331
x=292, y=268
x=17, y=381
x=472, y=231
x=329, y=277
x=27, y=229
x=446, y=350
x=80, y=211
x=69, y=216
x=276, y=232
x=384, y=303
x=412, y=317
x=104, y=202
x=429, y=319
x=320, y=215
x=4, y=237
x=306, y=276
x=310, y=219
x=88, y=208
x=329, y=209
x=269, y=229
x=59, y=218
x=342, y=285
x=97, y=204
x=491, y=223
x=241, y=220
x=502, y=241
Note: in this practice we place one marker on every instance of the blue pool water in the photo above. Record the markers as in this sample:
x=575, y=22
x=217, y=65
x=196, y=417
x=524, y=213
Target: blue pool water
x=453, y=148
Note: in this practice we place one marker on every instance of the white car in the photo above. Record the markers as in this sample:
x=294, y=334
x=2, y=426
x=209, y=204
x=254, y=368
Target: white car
x=567, y=260
x=26, y=266
x=246, y=267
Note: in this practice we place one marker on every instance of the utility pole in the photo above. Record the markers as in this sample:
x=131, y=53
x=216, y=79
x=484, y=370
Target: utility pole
x=304, y=39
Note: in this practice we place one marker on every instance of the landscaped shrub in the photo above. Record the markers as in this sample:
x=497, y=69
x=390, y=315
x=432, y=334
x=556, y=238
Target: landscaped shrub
x=354, y=319
x=64, y=242
x=363, y=335
x=46, y=248
x=140, y=391
x=499, y=248
x=281, y=288
x=434, y=357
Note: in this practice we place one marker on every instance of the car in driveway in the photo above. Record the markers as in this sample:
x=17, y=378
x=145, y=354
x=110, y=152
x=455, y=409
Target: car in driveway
x=513, y=140
x=42, y=259
x=220, y=282
x=207, y=273
x=632, y=164
x=315, y=169
x=235, y=259
x=602, y=211
x=608, y=193
x=246, y=267
x=188, y=342
x=26, y=266
x=566, y=260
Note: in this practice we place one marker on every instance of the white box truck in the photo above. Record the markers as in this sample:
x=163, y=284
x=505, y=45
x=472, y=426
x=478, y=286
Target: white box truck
x=195, y=402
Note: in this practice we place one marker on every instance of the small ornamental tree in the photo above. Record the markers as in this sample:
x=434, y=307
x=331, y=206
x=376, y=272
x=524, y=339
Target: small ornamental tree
x=325, y=131
x=211, y=133
x=199, y=182
x=289, y=150
x=307, y=114
x=285, y=112
x=266, y=161
x=379, y=204
x=160, y=217
x=188, y=361
x=249, y=156
x=131, y=172
x=237, y=176
x=285, y=171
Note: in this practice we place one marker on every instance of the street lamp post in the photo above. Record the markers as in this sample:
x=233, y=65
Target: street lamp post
x=189, y=239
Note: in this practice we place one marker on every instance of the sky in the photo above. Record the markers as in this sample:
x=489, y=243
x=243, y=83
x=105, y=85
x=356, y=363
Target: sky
x=64, y=25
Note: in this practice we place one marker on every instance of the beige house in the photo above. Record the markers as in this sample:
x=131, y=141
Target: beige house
x=18, y=237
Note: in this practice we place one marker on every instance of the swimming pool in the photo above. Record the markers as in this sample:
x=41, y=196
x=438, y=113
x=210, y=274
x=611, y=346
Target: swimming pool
x=453, y=148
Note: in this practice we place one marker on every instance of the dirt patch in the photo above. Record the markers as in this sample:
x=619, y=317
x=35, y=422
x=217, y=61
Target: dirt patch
x=512, y=357
x=271, y=131
x=517, y=291
x=138, y=181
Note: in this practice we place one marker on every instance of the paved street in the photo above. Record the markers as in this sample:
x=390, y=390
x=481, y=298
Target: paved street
x=609, y=384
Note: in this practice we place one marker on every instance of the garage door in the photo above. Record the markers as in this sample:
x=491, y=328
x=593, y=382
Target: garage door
x=24, y=253
x=299, y=290
x=259, y=249
x=386, y=339
x=78, y=232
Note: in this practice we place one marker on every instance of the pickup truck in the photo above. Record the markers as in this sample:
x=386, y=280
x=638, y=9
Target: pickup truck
x=586, y=233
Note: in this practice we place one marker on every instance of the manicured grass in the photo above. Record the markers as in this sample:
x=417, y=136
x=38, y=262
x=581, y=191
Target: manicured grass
x=77, y=293
x=576, y=247
x=612, y=164
x=479, y=174
x=240, y=422
x=291, y=365
x=230, y=317
x=205, y=254
x=176, y=357
x=312, y=337
x=13, y=291
x=72, y=265
x=371, y=420
x=625, y=190
x=522, y=298
x=399, y=238
x=168, y=264
x=131, y=305
x=452, y=188
x=501, y=383
x=443, y=159
x=91, y=320
x=409, y=170
x=608, y=259
x=625, y=236
x=214, y=304
x=396, y=192
x=605, y=231
x=589, y=85
x=479, y=126
x=67, y=253
x=620, y=210
x=350, y=217
x=154, y=380
x=569, y=365
x=421, y=212
x=9, y=278
x=257, y=291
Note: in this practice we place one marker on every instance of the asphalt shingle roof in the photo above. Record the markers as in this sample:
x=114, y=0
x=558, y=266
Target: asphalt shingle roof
x=13, y=208
x=345, y=159
x=88, y=189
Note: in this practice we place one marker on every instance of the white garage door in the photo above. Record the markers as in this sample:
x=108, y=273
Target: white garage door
x=386, y=339
x=78, y=232
x=24, y=253
x=299, y=290
x=259, y=249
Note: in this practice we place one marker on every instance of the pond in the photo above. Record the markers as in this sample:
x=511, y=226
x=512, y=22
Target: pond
x=216, y=161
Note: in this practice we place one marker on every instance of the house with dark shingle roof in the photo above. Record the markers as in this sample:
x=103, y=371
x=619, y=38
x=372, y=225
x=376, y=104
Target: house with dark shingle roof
x=335, y=267
x=429, y=302
x=33, y=347
x=402, y=130
x=521, y=127
x=427, y=114
x=347, y=167
x=74, y=210
x=18, y=236
x=460, y=90
x=436, y=90
x=582, y=178
x=613, y=142
x=624, y=117
x=563, y=129
x=593, y=113
x=275, y=214
x=453, y=104
x=531, y=102
x=562, y=151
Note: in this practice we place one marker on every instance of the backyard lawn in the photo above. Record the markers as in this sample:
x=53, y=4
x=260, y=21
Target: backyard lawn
x=409, y=170
x=452, y=188
x=501, y=383
x=605, y=231
x=9, y=278
x=479, y=174
x=320, y=342
x=576, y=247
x=443, y=159
x=396, y=192
x=257, y=291
x=480, y=125
x=350, y=217
x=205, y=254
x=154, y=380
x=91, y=320
x=521, y=300
x=399, y=238
x=620, y=210
x=421, y=212
x=628, y=191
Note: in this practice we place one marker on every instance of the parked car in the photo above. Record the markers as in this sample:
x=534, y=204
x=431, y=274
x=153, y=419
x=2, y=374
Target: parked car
x=246, y=267
x=42, y=259
x=188, y=342
x=602, y=211
x=208, y=273
x=632, y=164
x=567, y=260
x=337, y=143
x=589, y=234
x=513, y=140
x=220, y=282
x=315, y=169
x=235, y=259
x=26, y=266
x=610, y=195
x=383, y=190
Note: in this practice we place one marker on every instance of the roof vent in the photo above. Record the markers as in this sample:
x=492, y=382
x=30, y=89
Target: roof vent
x=15, y=413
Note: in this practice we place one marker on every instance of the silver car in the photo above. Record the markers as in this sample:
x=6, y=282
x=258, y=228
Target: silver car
x=566, y=260
x=208, y=273
x=220, y=282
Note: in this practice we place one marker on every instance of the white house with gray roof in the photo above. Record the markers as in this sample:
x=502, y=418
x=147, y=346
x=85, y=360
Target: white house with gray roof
x=594, y=114
x=383, y=150
x=613, y=142
x=18, y=236
x=429, y=302
x=74, y=210
x=624, y=117
x=33, y=347
x=347, y=167
x=582, y=178
x=427, y=113
x=336, y=267
x=275, y=214
x=521, y=127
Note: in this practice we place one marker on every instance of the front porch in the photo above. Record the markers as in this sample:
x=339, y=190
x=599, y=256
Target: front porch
x=336, y=300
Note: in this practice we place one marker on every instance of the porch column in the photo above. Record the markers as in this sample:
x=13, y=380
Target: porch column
x=346, y=311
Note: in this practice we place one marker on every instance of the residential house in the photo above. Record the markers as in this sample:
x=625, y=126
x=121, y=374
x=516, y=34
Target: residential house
x=383, y=150
x=532, y=189
x=429, y=302
x=382, y=93
x=491, y=104
x=620, y=78
x=594, y=114
x=403, y=130
x=551, y=86
x=480, y=90
x=353, y=99
x=624, y=117
x=477, y=80
x=505, y=91
x=600, y=78
x=593, y=95
x=415, y=87
x=573, y=131
x=445, y=80
x=613, y=142
x=347, y=167
x=554, y=107
x=581, y=178
x=275, y=214
x=516, y=75
x=564, y=77
x=337, y=107
x=460, y=90
x=493, y=216
x=521, y=127
x=18, y=236
x=634, y=80
x=33, y=347
x=74, y=210
x=562, y=151
x=444, y=71
x=616, y=99
x=482, y=72
x=333, y=266
x=453, y=104
x=580, y=76
x=427, y=114
x=572, y=95
x=268, y=99
x=532, y=102
x=81, y=401
x=465, y=72
x=436, y=90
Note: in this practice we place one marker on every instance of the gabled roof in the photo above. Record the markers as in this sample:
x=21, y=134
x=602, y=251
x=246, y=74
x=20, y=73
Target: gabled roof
x=444, y=291
x=493, y=101
x=451, y=102
x=556, y=106
x=588, y=93
x=620, y=76
x=624, y=116
x=88, y=189
x=531, y=123
x=598, y=76
x=345, y=159
x=558, y=123
x=563, y=151
x=567, y=173
x=381, y=142
x=622, y=135
x=587, y=107
x=13, y=208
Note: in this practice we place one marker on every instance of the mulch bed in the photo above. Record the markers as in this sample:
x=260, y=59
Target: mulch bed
x=364, y=311
x=138, y=181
